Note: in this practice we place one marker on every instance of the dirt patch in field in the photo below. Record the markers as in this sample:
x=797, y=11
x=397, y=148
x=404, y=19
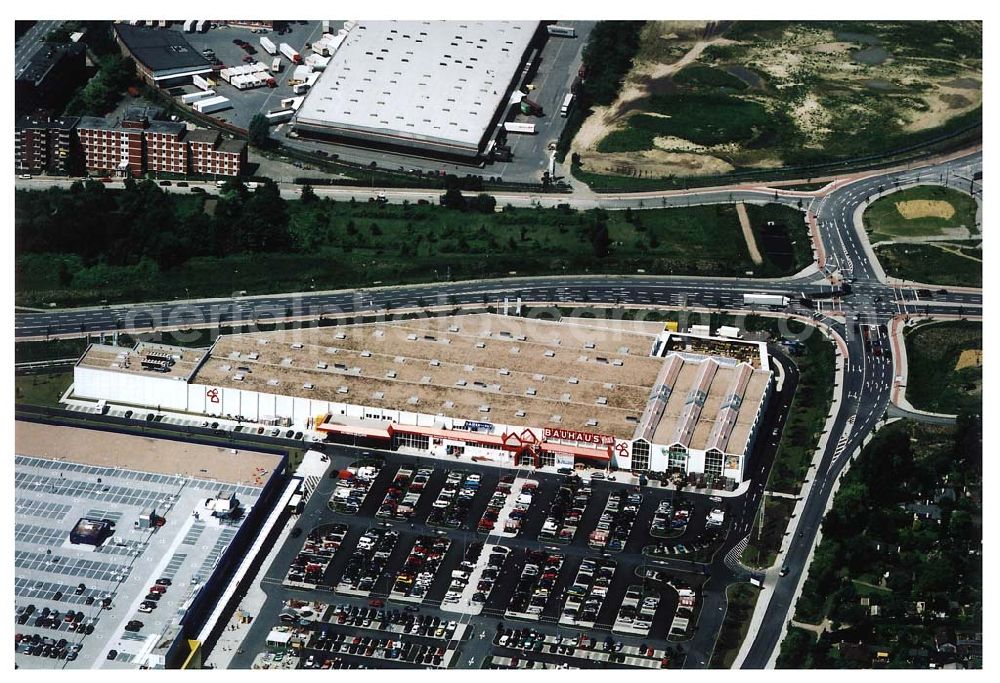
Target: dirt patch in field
x=970, y=358
x=669, y=143
x=925, y=208
x=656, y=162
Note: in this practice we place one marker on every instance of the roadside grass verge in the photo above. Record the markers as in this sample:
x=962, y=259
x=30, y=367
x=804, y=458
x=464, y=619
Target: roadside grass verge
x=806, y=415
x=742, y=598
x=930, y=264
x=763, y=547
x=932, y=353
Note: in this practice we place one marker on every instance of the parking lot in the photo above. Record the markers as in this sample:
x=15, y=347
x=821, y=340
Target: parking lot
x=73, y=602
x=246, y=103
x=456, y=573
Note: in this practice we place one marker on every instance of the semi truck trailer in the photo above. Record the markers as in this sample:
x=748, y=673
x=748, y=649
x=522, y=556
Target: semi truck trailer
x=563, y=31
x=514, y=127
x=290, y=52
x=268, y=45
x=765, y=300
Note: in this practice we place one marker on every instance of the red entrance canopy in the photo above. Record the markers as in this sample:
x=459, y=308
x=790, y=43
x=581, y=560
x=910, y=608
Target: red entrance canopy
x=576, y=451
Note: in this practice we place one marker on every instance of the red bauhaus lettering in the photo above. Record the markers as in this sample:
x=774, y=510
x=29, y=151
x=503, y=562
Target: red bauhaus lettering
x=579, y=437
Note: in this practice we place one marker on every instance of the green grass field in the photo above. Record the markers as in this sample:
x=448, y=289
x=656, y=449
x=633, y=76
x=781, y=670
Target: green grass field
x=932, y=382
x=929, y=264
x=883, y=220
x=42, y=389
x=346, y=245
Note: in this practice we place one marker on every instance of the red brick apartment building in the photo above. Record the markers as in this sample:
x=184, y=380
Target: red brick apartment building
x=138, y=144
x=210, y=155
x=44, y=144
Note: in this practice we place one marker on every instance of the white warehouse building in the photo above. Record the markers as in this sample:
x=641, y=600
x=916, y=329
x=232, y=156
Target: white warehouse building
x=507, y=390
x=430, y=86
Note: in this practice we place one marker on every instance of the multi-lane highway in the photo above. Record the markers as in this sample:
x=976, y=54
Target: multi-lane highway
x=858, y=318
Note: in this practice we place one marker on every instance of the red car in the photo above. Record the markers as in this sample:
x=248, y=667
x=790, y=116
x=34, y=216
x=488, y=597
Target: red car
x=376, y=602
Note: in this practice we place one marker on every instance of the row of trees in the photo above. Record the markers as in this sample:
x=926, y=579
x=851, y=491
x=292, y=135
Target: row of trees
x=143, y=221
x=608, y=56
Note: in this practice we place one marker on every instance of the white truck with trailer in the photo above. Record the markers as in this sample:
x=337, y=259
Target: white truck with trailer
x=514, y=127
x=765, y=300
x=290, y=52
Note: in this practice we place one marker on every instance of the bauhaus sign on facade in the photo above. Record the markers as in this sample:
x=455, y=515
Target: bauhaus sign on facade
x=579, y=437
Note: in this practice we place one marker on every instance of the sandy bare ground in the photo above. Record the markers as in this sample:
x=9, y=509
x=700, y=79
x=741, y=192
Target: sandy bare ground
x=604, y=119
x=107, y=449
x=970, y=358
x=741, y=211
x=925, y=208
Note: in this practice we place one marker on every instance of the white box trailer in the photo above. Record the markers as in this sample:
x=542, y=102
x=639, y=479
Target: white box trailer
x=202, y=26
x=765, y=300
x=514, y=127
x=202, y=82
x=567, y=103
x=189, y=26
x=276, y=65
x=317, y=62
x=562, y=31
x=299, y=88
x=212, y=104
x=268, y=45
x=326, y=26
x=195, y=96
x=280, y=115
x=290, y=52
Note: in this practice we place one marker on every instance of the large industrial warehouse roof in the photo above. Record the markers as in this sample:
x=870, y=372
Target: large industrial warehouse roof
x=162, y=51
x=440, y=81
x=528, y=372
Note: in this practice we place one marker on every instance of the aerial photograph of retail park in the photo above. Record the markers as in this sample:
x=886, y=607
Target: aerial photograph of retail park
x=498, y=344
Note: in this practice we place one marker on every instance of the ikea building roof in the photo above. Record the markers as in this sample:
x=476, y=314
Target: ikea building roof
x=434, y=82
